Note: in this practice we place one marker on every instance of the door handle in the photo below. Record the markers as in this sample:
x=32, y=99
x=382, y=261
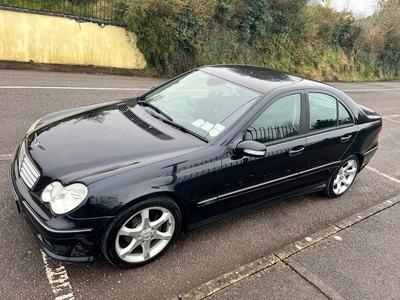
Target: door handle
x=296, y=150
x=345, y=138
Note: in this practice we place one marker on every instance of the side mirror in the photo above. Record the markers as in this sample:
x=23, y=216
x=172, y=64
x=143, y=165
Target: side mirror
x=250, y=148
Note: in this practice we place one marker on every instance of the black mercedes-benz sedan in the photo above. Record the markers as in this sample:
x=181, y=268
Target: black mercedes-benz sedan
x=127, y=177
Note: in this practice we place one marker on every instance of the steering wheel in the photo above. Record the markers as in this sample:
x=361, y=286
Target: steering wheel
x=191, y=104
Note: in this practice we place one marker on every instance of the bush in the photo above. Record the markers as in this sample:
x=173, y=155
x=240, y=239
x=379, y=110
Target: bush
x=155, y=23
x=289, y=35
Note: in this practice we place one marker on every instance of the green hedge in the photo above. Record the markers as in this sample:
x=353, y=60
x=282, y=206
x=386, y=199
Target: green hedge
x=177, y=35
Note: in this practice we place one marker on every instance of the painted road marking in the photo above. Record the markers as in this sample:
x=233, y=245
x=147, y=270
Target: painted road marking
x=389, y=118
x=5, y=157
x=393, y=121
x=72, y=88
x=58, y=279
x=383, y=174
x=371, y=90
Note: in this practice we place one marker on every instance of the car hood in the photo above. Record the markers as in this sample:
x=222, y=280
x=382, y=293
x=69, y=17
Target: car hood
x=102, y=140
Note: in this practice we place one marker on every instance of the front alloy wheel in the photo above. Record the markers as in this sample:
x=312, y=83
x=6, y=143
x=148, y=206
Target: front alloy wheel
x=141, y=233
x=343, y=178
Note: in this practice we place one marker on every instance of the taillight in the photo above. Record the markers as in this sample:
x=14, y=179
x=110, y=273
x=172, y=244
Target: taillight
x=378, y=135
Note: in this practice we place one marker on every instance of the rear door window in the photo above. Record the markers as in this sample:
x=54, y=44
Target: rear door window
x=326, y=112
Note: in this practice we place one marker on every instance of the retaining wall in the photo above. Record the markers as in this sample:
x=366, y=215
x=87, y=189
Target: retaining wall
x=26, y=37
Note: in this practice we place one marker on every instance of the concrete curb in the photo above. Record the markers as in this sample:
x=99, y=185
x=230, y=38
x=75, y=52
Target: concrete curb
x=31, y=66
x=224, y=281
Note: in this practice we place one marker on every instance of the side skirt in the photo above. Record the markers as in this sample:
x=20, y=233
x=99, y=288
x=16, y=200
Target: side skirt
x=308, y=190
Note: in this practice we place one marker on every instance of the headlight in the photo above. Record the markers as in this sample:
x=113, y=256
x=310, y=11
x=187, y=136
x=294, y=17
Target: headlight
x=63, y=199
x=33, y=126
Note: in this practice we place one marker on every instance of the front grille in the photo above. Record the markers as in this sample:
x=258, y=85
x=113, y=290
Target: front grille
x=27, y=170
x=124, y=109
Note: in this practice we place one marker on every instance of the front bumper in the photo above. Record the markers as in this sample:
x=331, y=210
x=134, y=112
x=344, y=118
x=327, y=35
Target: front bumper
x=60, y=237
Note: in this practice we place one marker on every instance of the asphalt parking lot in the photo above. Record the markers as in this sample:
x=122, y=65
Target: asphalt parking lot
x=196, y=257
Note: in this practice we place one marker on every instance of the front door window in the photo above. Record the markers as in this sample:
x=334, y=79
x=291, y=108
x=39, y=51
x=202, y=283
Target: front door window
x=278, y=121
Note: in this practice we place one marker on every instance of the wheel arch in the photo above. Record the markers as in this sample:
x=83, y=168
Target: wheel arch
x=342, y=177
x=174, y=197
x=111, y=245
x=360, y=160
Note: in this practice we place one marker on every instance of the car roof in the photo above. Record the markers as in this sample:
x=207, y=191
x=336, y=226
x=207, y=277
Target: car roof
x=260, y=79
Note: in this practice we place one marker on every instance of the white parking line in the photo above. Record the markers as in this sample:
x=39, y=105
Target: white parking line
x=393, y=121
x=372, y=90
x=72, y=88
x=5, y=157
x=383, y=174
x=390, y=116
x=58, y=279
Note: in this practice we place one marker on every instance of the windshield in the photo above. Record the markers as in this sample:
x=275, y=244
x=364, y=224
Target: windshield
x=202, y=103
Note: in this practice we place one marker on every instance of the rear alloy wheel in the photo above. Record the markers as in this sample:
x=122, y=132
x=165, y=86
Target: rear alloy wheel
x=343, y=178
x=141, y=233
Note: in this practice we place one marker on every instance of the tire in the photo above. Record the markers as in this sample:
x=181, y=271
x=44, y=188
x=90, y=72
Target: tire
x=343, y=178
x=142, y=232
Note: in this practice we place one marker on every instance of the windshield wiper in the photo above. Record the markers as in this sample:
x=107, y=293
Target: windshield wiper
x=167, y=119
x=155, y=108
x=184, y=129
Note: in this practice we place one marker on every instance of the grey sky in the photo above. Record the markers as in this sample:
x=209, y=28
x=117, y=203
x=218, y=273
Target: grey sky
x=358, y=7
